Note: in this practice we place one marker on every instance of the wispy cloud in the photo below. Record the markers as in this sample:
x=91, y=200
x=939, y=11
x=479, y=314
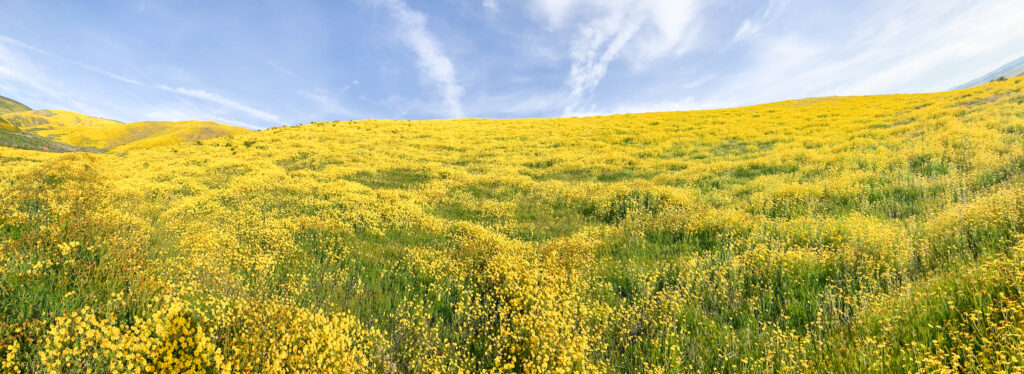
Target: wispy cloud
x=434, y=65
x=909, y=46
x=110, y=75
x=748, y=30
x=184, y=114
x=220, y=100
x=647, y=30
x=751, y=27
x=491, y=6
x=15, y=67
x=326, y=103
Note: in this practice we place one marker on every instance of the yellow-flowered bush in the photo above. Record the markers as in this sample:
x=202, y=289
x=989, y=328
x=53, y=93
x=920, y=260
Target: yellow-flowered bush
x=171, y=340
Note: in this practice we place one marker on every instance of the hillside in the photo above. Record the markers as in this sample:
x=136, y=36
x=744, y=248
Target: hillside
x=85, y=131
x=8, y=106
x=839, y=234
x=1012, y=69
x=7, y=126
x=23, y=140
x=54, y=120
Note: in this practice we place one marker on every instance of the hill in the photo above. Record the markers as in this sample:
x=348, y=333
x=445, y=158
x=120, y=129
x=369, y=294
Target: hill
x=1012, y=69
x=839, y=234
x=86, y=131
x=8, y=106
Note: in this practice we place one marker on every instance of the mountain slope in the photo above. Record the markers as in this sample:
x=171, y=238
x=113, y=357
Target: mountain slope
x=1011, y=69
x=874, y=234
x=86, y=131
x=8, y=106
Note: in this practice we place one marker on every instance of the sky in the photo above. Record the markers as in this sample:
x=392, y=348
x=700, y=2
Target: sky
x=267, y=63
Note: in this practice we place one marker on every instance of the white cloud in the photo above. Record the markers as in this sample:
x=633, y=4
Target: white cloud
x=434, y=65
x=491, y=6
x=910, y=46
x=747, y=30
x=220, y=100
x=106, y=73
x=17, y=68
x=752, y=27
x=182, y=114
x=640, y=31
x=326, y=103
x=944, y=37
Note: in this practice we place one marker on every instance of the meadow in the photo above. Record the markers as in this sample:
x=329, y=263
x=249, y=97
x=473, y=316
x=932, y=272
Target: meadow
x=840, y=234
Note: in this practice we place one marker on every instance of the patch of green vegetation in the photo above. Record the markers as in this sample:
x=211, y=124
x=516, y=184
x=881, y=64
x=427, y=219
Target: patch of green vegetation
x=400, y=178
x=37, y=143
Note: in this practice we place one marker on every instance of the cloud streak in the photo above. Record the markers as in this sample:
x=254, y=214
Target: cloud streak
x=911, y=46
x=751, y=27
x=491, y=6
x=15, y=68
x=220, y=100
x=434, y=65
x=641, y=32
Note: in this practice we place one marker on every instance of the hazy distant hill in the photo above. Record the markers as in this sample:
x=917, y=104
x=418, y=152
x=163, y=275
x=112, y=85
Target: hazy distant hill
x=8, y=106
x=1011, y=69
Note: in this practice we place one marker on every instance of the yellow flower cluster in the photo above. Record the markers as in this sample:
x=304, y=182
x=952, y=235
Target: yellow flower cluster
x=171, y=340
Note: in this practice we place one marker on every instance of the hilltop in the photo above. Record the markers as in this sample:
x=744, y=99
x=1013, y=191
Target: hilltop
x=81, y=132
x=840, y=234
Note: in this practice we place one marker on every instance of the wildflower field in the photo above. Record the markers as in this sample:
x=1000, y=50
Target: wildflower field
x=841, y=234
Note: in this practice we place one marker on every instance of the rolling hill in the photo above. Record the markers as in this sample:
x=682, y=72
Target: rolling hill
x=8, y=106
x=80, y=130
x=874, y=234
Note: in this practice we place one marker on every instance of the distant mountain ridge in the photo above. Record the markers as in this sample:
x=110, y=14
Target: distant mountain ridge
x=1012, y=69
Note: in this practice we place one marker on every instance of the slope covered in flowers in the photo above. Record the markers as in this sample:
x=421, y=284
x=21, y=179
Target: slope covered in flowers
x=85, y=131
x=845, y=234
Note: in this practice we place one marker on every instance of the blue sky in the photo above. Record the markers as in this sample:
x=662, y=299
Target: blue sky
x=265, y=63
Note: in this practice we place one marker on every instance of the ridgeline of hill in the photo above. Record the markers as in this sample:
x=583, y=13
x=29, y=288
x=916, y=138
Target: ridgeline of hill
x=840, y=234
